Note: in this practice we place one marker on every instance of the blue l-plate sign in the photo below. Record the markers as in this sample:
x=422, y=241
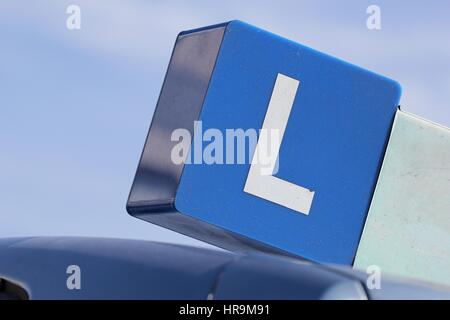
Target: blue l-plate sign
x=331, y=122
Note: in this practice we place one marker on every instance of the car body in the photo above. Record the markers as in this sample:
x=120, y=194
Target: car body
x=42, y=268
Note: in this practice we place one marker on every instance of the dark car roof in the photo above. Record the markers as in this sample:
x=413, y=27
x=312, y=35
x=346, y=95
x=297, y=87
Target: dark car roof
x=134, y=269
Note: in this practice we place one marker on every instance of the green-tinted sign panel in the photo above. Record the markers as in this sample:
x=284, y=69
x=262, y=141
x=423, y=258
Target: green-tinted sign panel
x=408, y=227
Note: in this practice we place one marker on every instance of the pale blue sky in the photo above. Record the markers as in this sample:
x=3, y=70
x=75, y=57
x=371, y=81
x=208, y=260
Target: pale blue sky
x=75, y=106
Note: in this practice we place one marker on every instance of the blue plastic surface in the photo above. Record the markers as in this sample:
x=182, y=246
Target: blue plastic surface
x=334, y=144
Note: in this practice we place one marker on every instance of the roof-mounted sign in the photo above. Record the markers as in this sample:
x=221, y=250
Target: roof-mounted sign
x=260, y=142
